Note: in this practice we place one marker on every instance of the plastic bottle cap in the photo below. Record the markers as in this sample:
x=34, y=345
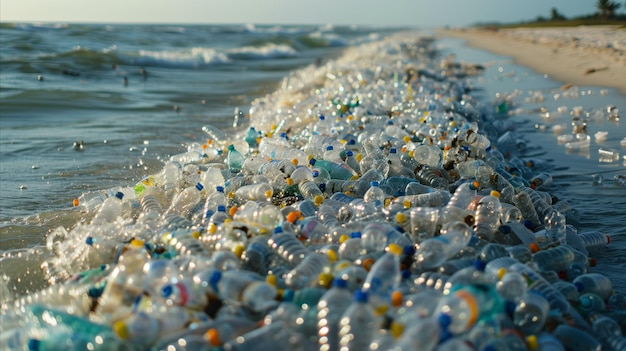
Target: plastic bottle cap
x=355, y=234
x=294, y=161
x=358, y=157
x=213, y=337
x=34, y=344
x=271, y=280
x=89, y=241
x=393, y=150
x=474, y=185
x=329, y=148
x=120, y=329
x=367, y=263
x=501, y=273
x=325, y=280
x=340, y=283
x=289, y=181
x=75, y=202
x=401, y=217
x=406, y=204
x=212, y=228
x=292, y=217
x=343, y=238
x=332, y=256
x=397, y=299
x=318, y=200
x=495, y=193
x=532, y=343
x=312, y=161
x=534, y=247
x=396, y=329
x=221, y=208
x=268, y=194
x=239, y=250
x=395, y=249
x=195, y=234
x=374, y=183
x=137, y=243
x=199, y=186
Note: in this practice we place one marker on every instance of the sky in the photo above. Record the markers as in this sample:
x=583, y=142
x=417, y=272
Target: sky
x=420, y=13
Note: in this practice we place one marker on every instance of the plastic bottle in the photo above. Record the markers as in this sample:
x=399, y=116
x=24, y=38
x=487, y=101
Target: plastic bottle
x=307, y=271
x=276, y=336
x=576, y=339
x=542, y=179
x=537, y=282
x=594, y=283
x=523, y=202
x=420, y=335
x=555, y=227
x=594, y=240
x=434, y=251
x=531, y=312
x=335, y=169
x=487, y=216
x=139, y=328
x=456, y=209
x=234, y=159
x=254, y=192
x=262, y=215
x=76, y=341
x=554, y=259
x=375, y=195
x=310, y=191
x=464, y=306
x=245, y=288
x=185, y=293
x=358, y=324
x=433, y=177
x=287, y=246
x=330, y=308
x=384, y=277
x=186, y=200
x=109, y=210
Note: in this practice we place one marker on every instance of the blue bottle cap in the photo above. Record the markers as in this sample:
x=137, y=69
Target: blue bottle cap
x=479, y=265
x=355, y=234
x=214, y=279
x=312, y=161
x=340, y=283
x=288, y=295
x=360, y=296
x=322, y=118
x=315, y=173
x=579, y=286
x=329, y=148
x=94, y=292
x=351, y=142
x=444, y=321
x=393, y=150
x=119, y=195
x=283, y=135
x=322, y=186
x=406, y=274
x=219, y=188
x=409, y=250
x=278, y=230
x=199, y=186
x=374, y=183
x=33, y=344
x=221, y=208
x=89, y=241
x=349, y=153
x=167, y=291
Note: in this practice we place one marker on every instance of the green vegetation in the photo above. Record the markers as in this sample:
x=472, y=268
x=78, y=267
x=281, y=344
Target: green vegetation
x=607, y=14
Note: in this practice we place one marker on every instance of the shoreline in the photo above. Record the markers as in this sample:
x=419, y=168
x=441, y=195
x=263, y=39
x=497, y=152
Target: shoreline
x=569, y=55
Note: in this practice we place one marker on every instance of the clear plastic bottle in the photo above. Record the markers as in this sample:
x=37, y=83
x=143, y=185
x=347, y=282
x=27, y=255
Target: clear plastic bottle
x=262, y=215
x=542, y=179
x=531, y=312
x=358, y=324
x=555, y=227
x=576, y=339
x=594, y=283
x=185, y=293
x=384, y=277
x=456, y=209
x=426, y=330
x=554, y=259
x=433, y=177
x=330, y=308
x=287, y=246
x=249, y=289
x=465, y=305
x=434, y=251
x=307, y=271
x=594, y=240
x=537, y=282
x=276, y=336
x=186, y=200
x=254, y=192
x=110, y=209
x=335, y=169
x=311, y=191
x=140, y=328
x=487, y=216
x=375, y=195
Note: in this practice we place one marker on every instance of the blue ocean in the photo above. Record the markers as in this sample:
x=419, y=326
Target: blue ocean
x=89, y=109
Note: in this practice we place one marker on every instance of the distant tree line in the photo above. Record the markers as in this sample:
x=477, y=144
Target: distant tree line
x=607, y=10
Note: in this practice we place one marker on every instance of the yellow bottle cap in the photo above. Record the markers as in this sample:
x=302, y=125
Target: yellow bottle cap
x=137, y=243
x=325, y=280
x=394, y=249
x=411, y=153
x=343, y=238
x=401, y=217
x=239, y=250
x=332, y=256
x=406, y=204
x=495, y=193
x=318, y=200
x=406, y=138
x=294, y=161
x=358, y=157
x=532, y=343
x=289, y=181
x=396, y=329
x=268, y=194
x=397, y=299
x=195, y=234
x=501, y=273
x=271, y=280
x=212, y=228
x=120, y=329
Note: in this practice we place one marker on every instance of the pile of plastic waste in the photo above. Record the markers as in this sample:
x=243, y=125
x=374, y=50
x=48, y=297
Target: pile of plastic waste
x=372, y=204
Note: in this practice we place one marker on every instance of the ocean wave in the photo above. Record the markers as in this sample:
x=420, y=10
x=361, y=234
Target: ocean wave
x=330, y=39
x=269, y=51
x=193, y=57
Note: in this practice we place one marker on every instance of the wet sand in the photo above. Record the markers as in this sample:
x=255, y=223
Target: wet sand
x=584, y=56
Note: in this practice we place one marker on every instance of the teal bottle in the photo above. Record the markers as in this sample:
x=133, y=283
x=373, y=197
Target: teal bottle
x=234, y=159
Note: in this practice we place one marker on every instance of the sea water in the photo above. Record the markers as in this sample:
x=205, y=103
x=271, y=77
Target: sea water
x=135, y=95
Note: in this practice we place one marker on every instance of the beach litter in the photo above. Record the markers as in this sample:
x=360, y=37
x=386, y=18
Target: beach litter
x=363, y=208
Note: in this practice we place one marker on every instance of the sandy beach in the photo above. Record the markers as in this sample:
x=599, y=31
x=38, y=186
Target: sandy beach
x=588, y=56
